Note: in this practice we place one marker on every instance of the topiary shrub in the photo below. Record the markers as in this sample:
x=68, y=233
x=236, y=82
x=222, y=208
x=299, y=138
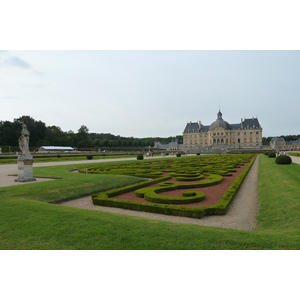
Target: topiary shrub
x=58, y=156
x=140, y=157
x=272, y=154
x=198, y=153
x=89, y=157
x=178, y=154
x=283, y=160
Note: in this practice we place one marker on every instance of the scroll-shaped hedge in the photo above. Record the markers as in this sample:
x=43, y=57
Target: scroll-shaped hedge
x=152, y=193
x=212, y=179
x=189, y=178
x=187, y=197
x=143, y=173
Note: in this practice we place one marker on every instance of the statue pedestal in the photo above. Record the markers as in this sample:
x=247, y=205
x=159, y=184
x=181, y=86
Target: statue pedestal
x=25, y=170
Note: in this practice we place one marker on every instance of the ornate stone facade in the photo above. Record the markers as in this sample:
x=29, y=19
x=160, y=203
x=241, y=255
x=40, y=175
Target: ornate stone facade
x=244, y=135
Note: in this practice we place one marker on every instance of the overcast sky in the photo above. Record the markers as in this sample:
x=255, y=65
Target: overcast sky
x=136, y=90
x=151, y=93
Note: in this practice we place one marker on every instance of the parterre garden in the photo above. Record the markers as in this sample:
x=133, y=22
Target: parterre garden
x=29, y=221
x=189, y=186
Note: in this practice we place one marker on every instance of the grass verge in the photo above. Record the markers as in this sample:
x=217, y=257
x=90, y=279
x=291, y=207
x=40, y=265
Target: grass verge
x=279, y=200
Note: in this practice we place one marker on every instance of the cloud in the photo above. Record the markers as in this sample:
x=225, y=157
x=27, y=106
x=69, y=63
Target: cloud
x=8, y=60
x=18, y=62
x=39, y=85
x=38, y=73
x=10, y=97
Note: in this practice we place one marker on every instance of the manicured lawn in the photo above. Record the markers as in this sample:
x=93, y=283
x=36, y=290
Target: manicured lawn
x=28, y=222
x=279, y=196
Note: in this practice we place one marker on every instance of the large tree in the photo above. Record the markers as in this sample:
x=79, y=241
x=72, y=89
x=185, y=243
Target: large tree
x=83, y=138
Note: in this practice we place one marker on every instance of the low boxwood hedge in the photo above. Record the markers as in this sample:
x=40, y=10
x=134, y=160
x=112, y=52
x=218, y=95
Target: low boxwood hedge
x=187, y=197
x=189, y=178
x=294, y=154
x=220, y=208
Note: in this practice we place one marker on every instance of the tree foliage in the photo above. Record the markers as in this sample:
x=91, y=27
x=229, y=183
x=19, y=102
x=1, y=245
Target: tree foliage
x=42, y=135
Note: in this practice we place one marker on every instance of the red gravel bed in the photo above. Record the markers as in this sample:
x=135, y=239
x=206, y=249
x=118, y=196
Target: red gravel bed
x=212, y=193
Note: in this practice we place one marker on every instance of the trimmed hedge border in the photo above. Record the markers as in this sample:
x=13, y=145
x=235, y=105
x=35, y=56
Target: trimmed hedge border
x=130, y=188
x=221, y=207
x=151, y=194
x=187, y=197
x=294, y=154
x=189, y=178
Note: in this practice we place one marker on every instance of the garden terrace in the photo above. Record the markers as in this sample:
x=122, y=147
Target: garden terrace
x=28, y=221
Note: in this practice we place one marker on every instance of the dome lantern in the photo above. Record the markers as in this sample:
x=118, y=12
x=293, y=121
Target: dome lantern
x=220, y=123
x=219, y=115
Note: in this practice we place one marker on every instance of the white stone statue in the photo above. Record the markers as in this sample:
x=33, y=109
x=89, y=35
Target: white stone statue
x=25, y=160
x=24, y=142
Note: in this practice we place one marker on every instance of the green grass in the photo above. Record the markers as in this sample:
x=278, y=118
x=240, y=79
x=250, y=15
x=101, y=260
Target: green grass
x=70, y=185
x=279, y=195
x=28, y=222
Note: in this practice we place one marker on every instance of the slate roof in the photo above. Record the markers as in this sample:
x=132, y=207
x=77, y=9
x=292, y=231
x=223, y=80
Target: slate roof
x=251, y=123
x=236, y=126
x=297, y=142
x=195, y=127
x=245, y=124
x=192, y=127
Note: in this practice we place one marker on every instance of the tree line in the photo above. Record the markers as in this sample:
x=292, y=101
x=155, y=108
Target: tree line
x=42, y=135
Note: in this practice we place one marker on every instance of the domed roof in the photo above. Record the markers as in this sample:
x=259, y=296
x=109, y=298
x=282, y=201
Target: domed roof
x=220, y=123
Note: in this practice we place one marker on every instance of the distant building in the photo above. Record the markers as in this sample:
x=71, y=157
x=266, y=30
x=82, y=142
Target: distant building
x=281, y=144
x=172, y=146
x=244, y=135
x=277, y=143
x=56, y=149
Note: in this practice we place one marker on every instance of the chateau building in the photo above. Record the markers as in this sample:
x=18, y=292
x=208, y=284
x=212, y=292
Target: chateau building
x=244, y=135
